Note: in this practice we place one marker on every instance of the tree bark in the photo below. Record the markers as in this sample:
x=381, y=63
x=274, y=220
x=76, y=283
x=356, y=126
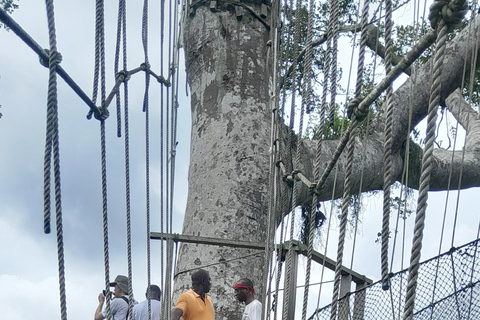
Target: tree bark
x=230, y=139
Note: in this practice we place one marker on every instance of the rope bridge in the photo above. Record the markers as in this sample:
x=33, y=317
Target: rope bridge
x=446, y=287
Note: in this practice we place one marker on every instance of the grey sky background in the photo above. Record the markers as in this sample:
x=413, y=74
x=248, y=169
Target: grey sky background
x=28, y=260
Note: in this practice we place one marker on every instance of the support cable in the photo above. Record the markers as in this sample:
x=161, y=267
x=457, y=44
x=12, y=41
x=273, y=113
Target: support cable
x=162, y=206
x=441, y=24
x=296, y=162
x=358, y=92
x=52, y=145
x=387, y=156
x=273, y=172
x=100, y=76
x=44, y=57
x=361, y=110
x=333, y=29
x=348, y=173
x=147, y=151
x=121, y=10
x=307, y=101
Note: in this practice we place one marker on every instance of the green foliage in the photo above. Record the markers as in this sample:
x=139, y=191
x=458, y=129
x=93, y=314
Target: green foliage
x=8, y=6
x=305, y=228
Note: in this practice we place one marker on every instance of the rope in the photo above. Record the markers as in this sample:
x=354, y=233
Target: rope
x=147, y=150
x=273, y=172
x=121, y=10
x=44, y=56
x=333, y=28
x=442, y=24
x=290, y=253
x=348, y=174
x=387, y=159
x=99, y=40
x=308, y=92
x=361, y=110
x=52, y=144
x=358, y=92
x=162, y=37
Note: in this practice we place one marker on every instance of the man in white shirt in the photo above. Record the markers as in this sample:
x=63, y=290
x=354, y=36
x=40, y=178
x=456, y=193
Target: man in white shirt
x=119, y=303
x=140, y=311
x=244, y=292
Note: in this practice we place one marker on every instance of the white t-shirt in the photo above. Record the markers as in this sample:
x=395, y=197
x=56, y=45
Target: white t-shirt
x=253, y=311
x=140, y=311
x=118, y=308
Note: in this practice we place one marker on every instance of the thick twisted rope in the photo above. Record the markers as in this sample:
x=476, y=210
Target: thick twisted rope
x=162, y=37
x=358, y=92
x=147, y=149
x=273, y=172
x=284, y=153
x=348, y=172
x=99, y=74
x=121, y=8
x=308, y=97
x=387, y=160
x=291, y=253
x=52, y=144
x=442, y=17
x=333, y=35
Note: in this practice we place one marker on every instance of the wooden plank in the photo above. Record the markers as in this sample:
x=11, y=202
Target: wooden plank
x=207, y=240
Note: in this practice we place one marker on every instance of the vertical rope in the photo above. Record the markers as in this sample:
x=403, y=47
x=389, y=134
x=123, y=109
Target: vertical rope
x=290, y=253
x=333, y=36
x=273, y=172
x=121, y=10
x=52, y=144
x=127, y=170
x=308, y=91
x=99, y=73
x=147, y=149
x=349, y=167
x=442, y=29
x=388, y=166
x=162, y=205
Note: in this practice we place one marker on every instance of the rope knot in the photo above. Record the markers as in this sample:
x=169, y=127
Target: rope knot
x=46, y=62
x=145, y=66
x=450, y=11
x=99, y=113
x=122, y=76
x=354, y=110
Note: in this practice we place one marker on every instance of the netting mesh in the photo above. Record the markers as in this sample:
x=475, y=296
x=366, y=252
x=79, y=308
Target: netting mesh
x=448, y=288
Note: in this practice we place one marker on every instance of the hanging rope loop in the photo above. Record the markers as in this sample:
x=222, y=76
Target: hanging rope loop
x=46, y=62
x=354, y=110
x=451, y=12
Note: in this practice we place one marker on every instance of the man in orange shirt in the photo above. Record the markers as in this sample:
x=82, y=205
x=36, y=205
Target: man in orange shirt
x=195, y=304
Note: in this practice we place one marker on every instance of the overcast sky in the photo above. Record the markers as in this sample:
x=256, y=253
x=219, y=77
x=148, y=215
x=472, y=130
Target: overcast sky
x=28, y=263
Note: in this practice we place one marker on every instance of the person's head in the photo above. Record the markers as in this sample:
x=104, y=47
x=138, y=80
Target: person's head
x=155, y=292
x=201, y=281
x=244, y=290
x=121, y=286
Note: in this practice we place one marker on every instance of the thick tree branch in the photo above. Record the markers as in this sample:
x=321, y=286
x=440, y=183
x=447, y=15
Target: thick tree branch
x=416, y=96
x=467, y=117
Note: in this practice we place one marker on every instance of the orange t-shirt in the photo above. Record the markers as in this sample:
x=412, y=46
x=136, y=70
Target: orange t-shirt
x=194, y=307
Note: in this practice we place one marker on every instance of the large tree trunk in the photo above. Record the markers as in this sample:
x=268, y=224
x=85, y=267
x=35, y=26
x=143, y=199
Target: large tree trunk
x=228, y=175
